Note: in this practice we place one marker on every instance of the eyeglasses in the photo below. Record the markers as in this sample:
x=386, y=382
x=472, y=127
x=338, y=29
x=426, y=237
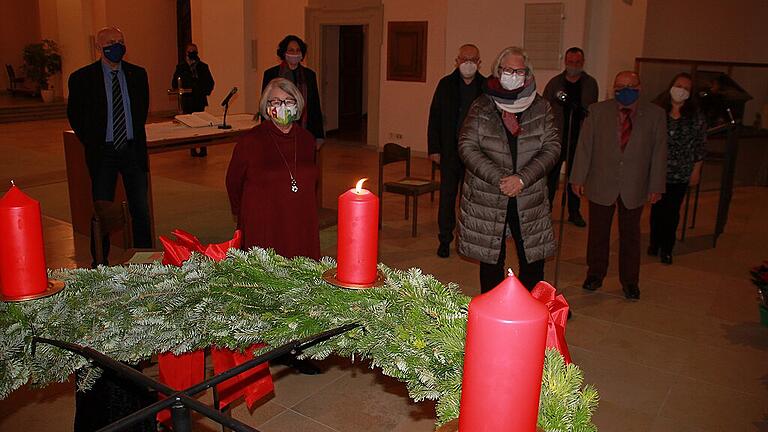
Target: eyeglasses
x=512, y=71
x=275, y=103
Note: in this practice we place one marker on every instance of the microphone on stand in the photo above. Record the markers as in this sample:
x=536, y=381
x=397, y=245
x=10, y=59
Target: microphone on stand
x=229, y=96
x=562, y=97
x=225, y=104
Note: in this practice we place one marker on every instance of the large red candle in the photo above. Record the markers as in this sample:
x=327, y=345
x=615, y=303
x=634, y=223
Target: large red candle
x=22, y=256
x=503, y=360
x=358, y=236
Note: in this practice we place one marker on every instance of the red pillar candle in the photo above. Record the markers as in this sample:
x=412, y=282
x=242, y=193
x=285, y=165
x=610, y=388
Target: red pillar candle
x=503, y=360
x=22, y=256
x=358, y=236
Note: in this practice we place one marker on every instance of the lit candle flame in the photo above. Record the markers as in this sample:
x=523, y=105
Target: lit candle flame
x=13, y=183
x=359, y=186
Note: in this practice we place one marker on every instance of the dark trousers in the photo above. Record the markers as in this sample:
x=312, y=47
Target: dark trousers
x=665, y=217
x=111, y=398
x=553, y=181
x=529, y=273
x=451, y=177
x=103, y=183
x=599, y=241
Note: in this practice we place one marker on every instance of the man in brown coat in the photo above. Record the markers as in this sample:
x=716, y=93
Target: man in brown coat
x=621, y=161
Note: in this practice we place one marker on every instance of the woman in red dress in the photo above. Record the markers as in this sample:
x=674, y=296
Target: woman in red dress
x=272, y=176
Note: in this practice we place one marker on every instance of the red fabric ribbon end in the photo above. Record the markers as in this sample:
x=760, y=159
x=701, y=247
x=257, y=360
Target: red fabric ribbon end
x=185, y=370
x=558, y=317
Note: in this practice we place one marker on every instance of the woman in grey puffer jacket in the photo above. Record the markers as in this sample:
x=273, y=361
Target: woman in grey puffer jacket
x=508, y=143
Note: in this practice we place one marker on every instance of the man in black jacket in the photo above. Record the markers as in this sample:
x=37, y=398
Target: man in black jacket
x=569, y=94
x=107, y=108
x=196, y=76
x=450, y=104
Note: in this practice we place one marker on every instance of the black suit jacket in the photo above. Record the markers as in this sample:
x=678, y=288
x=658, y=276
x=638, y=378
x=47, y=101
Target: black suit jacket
x=201, y=87
x=87, y=110
x=444, y=122
x=311, y=105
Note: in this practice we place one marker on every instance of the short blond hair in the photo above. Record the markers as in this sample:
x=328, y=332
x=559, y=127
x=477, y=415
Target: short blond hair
x=513, y=50
x=286, y=86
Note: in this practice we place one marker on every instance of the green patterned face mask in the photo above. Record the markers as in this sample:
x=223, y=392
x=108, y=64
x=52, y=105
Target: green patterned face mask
x=283, y=115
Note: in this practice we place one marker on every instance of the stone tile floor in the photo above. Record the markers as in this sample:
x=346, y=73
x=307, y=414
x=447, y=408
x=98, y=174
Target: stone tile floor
x=689, y=356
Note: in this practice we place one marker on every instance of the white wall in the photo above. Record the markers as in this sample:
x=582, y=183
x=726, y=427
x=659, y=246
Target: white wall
x=614, y=38
x=150, y=40
x=493, y=25
x=404, y=106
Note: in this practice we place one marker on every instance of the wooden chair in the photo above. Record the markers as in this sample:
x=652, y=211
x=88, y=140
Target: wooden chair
x=109, y=217
x=409, y=187
x=16, y=84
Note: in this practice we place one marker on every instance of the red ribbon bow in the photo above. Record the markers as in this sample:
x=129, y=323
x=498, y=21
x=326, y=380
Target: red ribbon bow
x=185, y=370
x=558, y=316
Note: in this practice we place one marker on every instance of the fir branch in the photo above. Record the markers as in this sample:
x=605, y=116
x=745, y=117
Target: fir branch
x=412, y=328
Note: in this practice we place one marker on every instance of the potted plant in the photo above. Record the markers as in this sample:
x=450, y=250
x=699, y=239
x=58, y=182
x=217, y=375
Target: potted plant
x=41, y=60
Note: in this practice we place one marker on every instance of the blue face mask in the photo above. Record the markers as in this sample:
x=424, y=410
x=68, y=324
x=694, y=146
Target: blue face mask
x=114, y=52
x=627, y=96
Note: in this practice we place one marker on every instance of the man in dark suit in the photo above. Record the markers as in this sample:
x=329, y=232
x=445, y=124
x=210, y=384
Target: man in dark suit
x=579, y=90
x=621, y=162
x=196, y=76
x=107, y=108
x=453, y=96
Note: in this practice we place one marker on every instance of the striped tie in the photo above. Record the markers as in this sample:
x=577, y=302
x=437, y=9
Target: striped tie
x=119, y=131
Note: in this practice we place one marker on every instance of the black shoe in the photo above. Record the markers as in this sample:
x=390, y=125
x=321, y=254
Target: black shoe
x=665, y=258
x=631, y=291
x=203, y=151
x=569, y=314
x=592, y=283
x=577, y=220
x=653, y=250
x=444, y=250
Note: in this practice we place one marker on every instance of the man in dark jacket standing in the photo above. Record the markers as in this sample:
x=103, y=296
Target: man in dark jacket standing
x=107, y=108
x=196, y=76
x=450, y=104
x=569, y=94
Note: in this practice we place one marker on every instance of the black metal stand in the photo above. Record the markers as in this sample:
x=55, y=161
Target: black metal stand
x=181, y=402
x=224, y=124
x=563, y=198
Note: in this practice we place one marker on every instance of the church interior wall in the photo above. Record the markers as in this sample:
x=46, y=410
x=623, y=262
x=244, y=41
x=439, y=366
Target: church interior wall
x=19, y=26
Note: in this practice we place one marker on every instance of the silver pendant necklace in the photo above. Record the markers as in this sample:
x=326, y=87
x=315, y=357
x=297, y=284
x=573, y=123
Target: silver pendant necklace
x=294, y=183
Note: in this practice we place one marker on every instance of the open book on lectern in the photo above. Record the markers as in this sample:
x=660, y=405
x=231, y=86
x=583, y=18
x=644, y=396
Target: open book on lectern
x=198, y=119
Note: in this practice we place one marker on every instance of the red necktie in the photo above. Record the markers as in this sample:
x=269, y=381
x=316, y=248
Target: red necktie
x=626, y=127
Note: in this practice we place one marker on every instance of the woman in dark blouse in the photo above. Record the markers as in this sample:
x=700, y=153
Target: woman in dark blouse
x=686, y=138
x=291, y=51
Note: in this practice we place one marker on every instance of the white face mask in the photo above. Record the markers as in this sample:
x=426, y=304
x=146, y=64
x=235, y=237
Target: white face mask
x=679, y=94
x=293, y=59
x=468, y=69
x=511, y=81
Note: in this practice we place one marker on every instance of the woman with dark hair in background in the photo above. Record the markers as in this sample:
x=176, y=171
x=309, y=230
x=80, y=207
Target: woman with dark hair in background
x=686, y=138
x=291, y=51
